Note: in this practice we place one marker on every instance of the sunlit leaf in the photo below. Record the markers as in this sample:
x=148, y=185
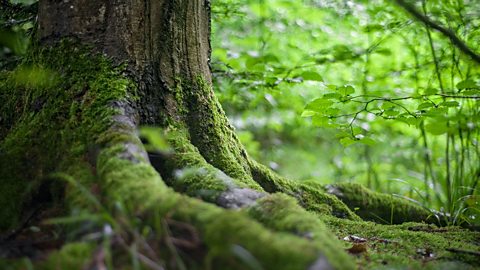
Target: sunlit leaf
x=311, y=76
x=321, y=121
x=319, y=104
x=391, y=112
x=346, y=90
x=308, y=113
x=347, y=141
x=155, y=138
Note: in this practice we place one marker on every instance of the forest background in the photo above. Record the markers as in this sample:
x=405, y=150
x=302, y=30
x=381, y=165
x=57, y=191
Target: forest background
x=356, y=91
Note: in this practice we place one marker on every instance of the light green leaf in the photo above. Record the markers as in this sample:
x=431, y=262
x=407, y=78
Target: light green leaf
x=368, y=141
x=311, y=76
x=331, y=86
x=319, y=104
x=436, y=127
x=308, y=113
x=321, y=121
x=346, y=90
x=347, y=141
x=252, y=62
x=391, y=112
x=155, y=138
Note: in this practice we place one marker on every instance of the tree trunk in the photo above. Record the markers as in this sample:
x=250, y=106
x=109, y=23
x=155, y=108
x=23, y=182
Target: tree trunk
x=72, y=138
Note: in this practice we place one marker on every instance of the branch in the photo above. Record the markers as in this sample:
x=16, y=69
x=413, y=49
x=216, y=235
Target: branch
x=446, y=32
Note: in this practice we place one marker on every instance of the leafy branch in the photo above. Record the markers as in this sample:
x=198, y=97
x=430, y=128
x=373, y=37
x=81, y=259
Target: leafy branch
x=437, y=26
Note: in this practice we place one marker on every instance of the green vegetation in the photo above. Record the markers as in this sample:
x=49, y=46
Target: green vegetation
x=357, y=91
x=338, y=96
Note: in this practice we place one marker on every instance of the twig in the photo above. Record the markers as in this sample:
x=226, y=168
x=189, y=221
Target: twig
x=446, y=32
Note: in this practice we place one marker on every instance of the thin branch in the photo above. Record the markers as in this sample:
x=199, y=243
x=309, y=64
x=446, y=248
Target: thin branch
x=446, y=32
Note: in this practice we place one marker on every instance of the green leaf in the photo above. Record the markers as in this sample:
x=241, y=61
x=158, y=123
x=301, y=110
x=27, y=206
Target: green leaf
x=321, y=121
x=331, y=86
x=373, y=28
x=449, y=104
x=252, y=62
x=319, y=104
x=311, y=76
x=468, y=83
x=346, y=90
x=425, y=105
x=436, y=127
x=308, y=113
x=15, y=41
x=342, y=52
x=155, y=138
x=411, y=121
x=471, y=92
x=383, y=51
x=368, y=141
x=332, y=95
x=347, y=141
x=270, y=58
x=331, y=111
x=430, y=91
x=271, y=80
x=436, y=112
x=391, y=111
x=387, y=105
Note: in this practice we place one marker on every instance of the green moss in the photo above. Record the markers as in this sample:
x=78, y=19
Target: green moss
x=235, y=241
x=378, y=207
x=228, y=235
x=128, y=182
x=44, y=130
x=70, y=256
x=404, y=247
x=188, y=172
x=282, y=213
x=213, y=135
x=311, y=196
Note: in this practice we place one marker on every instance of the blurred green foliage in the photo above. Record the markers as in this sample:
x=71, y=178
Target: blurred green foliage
x=17, y=20
x=356, y=91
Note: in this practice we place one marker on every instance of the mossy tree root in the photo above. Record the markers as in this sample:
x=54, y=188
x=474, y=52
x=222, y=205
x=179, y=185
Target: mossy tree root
x=127, y=178
x=381, y=208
